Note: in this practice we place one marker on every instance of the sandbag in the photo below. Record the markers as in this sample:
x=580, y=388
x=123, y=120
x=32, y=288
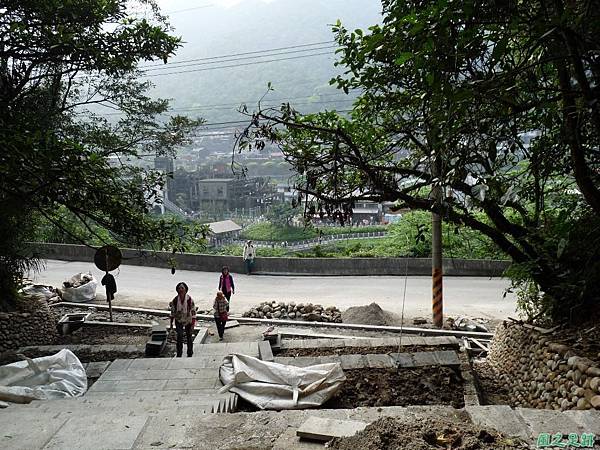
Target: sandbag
x=270, y=385
x=80, y=288
x=56, y=376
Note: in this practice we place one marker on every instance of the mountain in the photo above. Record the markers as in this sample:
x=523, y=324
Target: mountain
x=255, y=26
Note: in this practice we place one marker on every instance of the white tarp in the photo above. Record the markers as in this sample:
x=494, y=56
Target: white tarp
x=49, y=377
x=83, y=288
x=270, y=385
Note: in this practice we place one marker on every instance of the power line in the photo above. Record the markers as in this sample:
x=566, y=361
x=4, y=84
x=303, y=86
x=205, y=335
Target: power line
x=290, y=47
x=233, y=105
x=189, y=9
x=237, y=65
x=268, y=105
x=243, y=58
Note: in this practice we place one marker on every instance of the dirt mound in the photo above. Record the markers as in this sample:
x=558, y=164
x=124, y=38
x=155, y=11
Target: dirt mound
x=406, y=387
x=369, y=315
x=393, y=433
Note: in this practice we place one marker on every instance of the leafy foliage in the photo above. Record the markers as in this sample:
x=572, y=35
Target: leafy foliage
x=492, y=103
x=62, y=162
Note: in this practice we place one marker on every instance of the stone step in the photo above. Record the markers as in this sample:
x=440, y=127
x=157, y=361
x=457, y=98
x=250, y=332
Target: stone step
x=211, y=402
x=84, y=410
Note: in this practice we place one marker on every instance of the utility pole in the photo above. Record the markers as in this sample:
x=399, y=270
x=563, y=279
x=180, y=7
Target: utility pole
x=436, y=244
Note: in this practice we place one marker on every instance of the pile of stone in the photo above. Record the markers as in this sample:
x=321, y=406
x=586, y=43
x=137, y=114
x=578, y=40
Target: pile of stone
x=292, y=311
x=543, y=374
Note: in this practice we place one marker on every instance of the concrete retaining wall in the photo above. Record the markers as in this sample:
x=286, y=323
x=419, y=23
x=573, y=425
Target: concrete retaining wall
x=543, y=374
x=298, y=266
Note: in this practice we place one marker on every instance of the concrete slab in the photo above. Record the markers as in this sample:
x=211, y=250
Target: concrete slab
x=128, y=385
x=210, y=349
x=353, y=361
x=200, y=362
x=167, y=431
x=380, y=361
x=544, y=421
x=96, y=369
x=120, y=364
x=264, y=351
x=231, y=324
x=103, y=432
x=385, y=342
x=589, y=420
x=404, y=360
x=447, y=358
x=172, y=374
x=315, y=343
x=322, y=429
x=501, y=418
x=423, y=359
x=30, y=432
x=199, y=383
x=149, y=364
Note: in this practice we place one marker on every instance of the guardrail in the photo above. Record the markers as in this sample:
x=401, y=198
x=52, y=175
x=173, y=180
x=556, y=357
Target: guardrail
x=305, y=243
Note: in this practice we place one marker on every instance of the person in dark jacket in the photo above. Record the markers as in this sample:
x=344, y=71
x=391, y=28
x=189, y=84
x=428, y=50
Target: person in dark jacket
x=226, y=285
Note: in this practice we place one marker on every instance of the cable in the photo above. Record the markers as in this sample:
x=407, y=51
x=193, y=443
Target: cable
x=236, y=104
x=237, y=65
x=189, y=9
x=243, y=58
x=266, y=105
x=242, y=54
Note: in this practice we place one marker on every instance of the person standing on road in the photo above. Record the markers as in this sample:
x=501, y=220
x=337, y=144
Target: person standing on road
x=226, y=285
x=249, y=254
x=221, y=306
x=183, y=312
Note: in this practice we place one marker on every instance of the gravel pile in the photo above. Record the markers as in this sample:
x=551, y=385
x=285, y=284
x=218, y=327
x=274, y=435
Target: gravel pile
x=371, y=314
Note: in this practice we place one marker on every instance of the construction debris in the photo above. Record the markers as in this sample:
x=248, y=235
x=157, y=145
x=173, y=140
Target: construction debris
x=469, y=324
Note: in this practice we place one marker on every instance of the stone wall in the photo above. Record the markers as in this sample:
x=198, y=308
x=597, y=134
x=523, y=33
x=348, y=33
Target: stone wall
x=543, y=374
x=35, y=325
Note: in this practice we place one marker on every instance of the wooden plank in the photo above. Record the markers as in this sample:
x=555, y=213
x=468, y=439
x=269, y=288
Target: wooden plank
x=320, y=429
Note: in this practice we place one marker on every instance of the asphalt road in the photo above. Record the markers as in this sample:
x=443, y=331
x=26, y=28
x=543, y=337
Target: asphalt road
x=153, y=287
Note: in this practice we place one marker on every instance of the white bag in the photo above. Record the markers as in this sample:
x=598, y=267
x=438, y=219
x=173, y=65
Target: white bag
x=49, y=377
x=81, y=294
x=270, y=385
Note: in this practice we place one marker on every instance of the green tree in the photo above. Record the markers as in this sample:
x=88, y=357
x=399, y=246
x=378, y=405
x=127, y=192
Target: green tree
x=491, y=102
x=60, y=63
x=281, y=214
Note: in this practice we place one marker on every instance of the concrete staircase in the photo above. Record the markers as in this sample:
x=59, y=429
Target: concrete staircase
x=145, y=387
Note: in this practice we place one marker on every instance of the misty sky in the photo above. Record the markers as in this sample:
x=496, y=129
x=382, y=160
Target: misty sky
x=212, y=28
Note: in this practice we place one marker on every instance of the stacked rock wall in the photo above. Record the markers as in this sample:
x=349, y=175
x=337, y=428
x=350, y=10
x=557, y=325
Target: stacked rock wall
x=543, y=374
x=36, y=325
